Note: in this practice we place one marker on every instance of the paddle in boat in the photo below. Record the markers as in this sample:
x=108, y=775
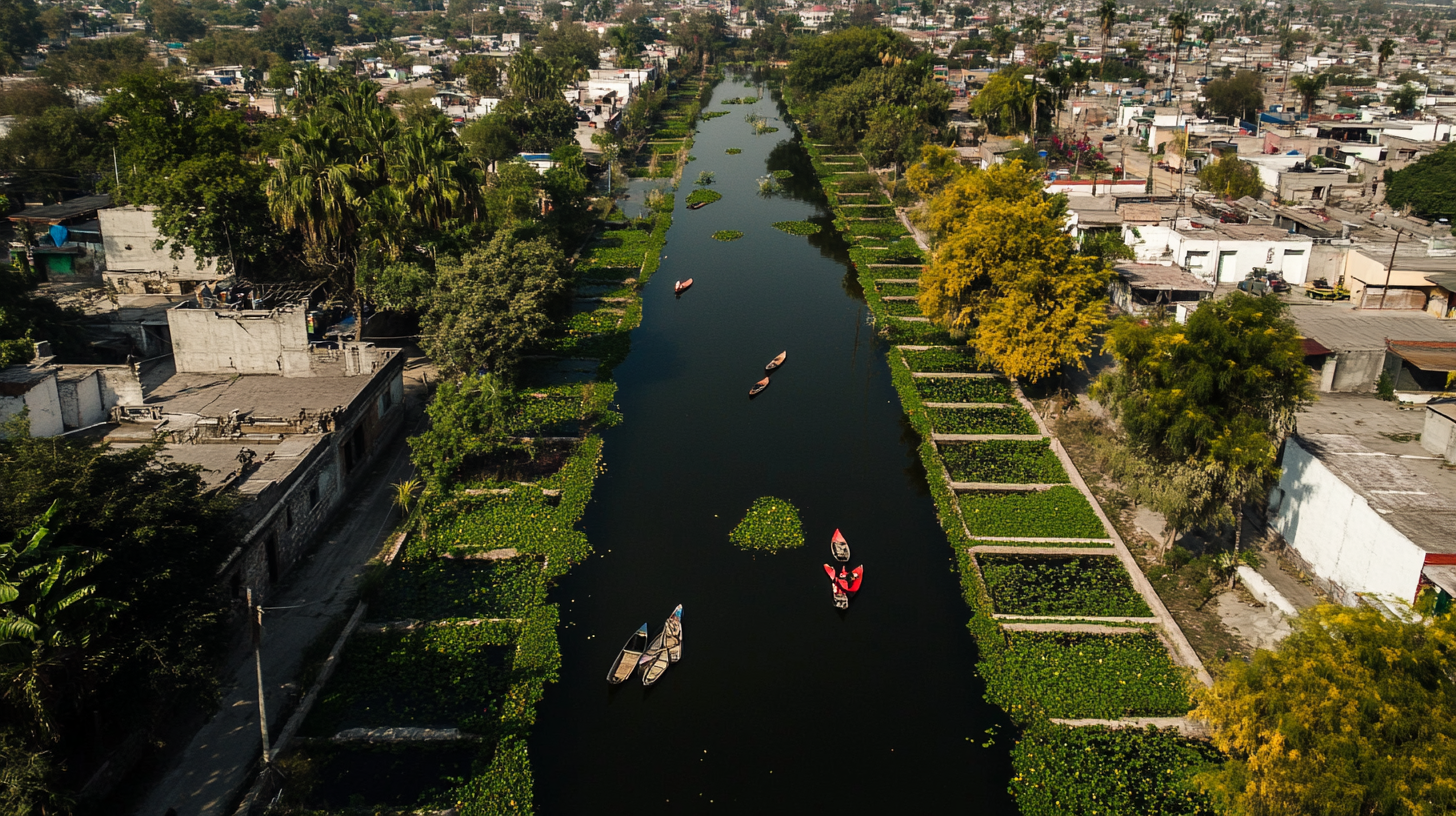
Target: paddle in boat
x=626, y=661
x=660, y=651
x=681, y=286
x=776, y=362
x=757, y=387
x=841, y=598
x=839, y=547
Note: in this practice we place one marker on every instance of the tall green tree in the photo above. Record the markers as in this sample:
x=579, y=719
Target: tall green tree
x=1240, y=96
x=19, y=32
x=494, y=305
x=1353, y=714
x=1308, y=87
x=1106, y=19
x=1427, y=186
x=1231, y=178
x=1385, y=51
x=1218, y=393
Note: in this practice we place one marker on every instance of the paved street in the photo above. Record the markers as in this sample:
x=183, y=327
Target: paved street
x=207, y=778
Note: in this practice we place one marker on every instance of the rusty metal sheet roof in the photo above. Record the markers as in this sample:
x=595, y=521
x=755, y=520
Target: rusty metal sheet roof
x=1425, y=355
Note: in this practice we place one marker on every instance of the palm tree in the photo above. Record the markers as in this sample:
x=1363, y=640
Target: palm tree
x=50, y=617
x=1308, y=87
x=1385, y=52
x=1178, y=23
x=1107, y=16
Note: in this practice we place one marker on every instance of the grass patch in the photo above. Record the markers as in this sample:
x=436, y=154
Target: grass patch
x=769, y=525
x=727, y=235
x=1094, y=586
x=1058, y=512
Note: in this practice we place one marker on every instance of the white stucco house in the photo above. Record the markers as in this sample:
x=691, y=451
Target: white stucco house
x=1222, y=253
x=1364, y=521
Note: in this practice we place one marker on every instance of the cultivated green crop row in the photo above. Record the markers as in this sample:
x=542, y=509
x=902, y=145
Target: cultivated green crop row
x=1033, y=675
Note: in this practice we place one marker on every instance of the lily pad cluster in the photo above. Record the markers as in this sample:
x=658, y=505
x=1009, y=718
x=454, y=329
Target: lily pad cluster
x=770, y=525
x=727, y=235
x=798, y=227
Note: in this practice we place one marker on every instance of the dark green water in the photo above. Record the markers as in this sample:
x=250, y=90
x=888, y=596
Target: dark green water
x=780, y=701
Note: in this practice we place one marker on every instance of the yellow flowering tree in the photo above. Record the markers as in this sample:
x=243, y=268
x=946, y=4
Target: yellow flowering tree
x=1006, y=274
x=1353, y=714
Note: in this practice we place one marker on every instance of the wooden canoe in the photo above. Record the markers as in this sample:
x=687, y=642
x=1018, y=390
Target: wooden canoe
x=776, y=362
x=659, y=653
x=681, y=286
x=698, y=206
x=626, y=662
x=757, y=387
x=839, y=547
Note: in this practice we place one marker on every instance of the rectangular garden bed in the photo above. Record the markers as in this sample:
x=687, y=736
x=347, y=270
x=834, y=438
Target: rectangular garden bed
x=1003, y=461
x=897, y=289
x=405, y=777
x=963, y=389
x=432, y=677
x=1067, y=586
x=1075, y=675
x=902, y=308
x=443, y=588
x=945, y=361
x=1058, y=512
x=1013, y=420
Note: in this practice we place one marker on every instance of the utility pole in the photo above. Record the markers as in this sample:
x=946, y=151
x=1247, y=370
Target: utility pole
x=255, y=614
x=1385, y=290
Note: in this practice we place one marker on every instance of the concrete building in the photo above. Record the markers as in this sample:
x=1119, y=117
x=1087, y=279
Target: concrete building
x=1222, y=253
x=136, y=266
x=1139, y=288
x=1355, y=342
x=1371, y=523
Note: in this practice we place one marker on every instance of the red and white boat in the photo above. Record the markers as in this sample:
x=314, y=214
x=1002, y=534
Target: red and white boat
x=844, y=584
x=839, y=547
x=681, y=286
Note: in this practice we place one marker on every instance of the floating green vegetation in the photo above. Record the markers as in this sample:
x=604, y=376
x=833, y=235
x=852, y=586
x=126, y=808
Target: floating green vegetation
x=714, y=114
x=734, y=151
x=1061, y=769
x=1014, y=420
x=1094, y=586
x=771, y=524
x=705, y=178
x=782, y=174
x=727, y=235
x=1074, y=675
x=941, y=360
x=704, y=196
x=963, y=389
x=739, y=100
x=1058, y=512
x=1003, y=461
x=798, y=227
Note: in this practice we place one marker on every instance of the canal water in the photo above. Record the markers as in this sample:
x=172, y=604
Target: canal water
x=780, y=700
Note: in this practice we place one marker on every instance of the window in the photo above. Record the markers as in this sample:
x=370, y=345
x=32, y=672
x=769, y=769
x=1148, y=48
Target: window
x=1196, y=260
x=313, y=495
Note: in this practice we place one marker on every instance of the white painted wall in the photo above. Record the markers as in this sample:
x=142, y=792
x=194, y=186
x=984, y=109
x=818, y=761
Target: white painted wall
x=1338, y=533
x=44, y=403
x=217, y=341
x=1200, y=256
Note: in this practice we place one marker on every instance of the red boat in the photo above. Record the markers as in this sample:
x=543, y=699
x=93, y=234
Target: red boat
x=845, y=583
x=757, y=387
x=681, y=286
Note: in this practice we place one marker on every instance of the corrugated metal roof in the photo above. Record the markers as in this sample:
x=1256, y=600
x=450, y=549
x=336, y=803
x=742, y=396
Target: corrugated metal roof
x=1427, y=356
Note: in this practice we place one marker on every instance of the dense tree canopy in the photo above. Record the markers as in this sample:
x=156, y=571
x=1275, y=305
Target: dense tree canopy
x=838, y=58
x=1241, y=96
x=1005, y=272
x=1353, y=714
x=1231, y=178
x=1428, y=186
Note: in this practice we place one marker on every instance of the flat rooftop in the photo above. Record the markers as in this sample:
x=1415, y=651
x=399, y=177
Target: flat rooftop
x=1374, y=447
x=1342, y=328
x=261, y=395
